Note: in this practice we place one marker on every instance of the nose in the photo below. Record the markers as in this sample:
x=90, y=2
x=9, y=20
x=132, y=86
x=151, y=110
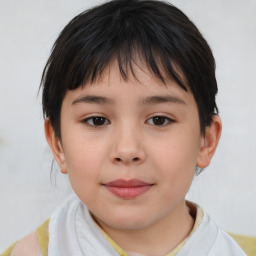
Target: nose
x=128, y=147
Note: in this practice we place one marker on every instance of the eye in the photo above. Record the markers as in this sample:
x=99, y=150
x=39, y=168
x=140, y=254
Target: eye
x=160, y=120
x=96, y=121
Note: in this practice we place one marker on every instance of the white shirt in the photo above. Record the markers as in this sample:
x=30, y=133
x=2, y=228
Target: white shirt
x=72, y=231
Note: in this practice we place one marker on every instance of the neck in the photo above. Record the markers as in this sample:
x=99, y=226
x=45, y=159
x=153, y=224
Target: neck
x=174, y=228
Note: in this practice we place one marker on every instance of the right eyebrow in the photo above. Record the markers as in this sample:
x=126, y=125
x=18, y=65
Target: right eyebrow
x=162, y=99
x=93, y=99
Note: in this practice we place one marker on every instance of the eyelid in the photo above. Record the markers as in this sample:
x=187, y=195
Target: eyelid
x=169, y=120
x=85, y=121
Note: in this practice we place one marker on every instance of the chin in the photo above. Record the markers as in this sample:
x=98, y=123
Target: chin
x=128, y=222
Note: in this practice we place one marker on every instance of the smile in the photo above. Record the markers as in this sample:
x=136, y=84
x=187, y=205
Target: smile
x=128, y=189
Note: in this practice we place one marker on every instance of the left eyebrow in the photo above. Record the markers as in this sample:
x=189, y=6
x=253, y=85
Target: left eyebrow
x=92, y=99
x=162, y=99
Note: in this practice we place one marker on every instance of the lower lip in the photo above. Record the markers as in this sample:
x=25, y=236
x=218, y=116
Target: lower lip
x=128, y=192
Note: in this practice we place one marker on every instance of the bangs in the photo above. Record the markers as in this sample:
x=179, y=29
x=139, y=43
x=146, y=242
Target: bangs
x=127, y=40
x=130, y=32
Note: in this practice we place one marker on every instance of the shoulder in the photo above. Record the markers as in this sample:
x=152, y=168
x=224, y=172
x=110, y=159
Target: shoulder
x=226, y=245
x=28, y=246
x=221, y=242
x=209, y=239
x=34, y=244
x=247, y=243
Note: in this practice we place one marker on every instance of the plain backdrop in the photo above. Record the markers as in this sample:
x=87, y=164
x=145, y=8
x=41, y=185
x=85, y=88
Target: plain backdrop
x=30, y=191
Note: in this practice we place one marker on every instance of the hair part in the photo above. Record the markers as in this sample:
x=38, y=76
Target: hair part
x=160, y=34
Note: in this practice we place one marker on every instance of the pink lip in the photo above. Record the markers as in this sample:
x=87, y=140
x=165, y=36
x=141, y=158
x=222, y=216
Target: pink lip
x=128, y=189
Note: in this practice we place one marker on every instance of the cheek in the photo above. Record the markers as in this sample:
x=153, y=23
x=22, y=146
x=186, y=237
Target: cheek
x=84, y=160
x=177, y=151
x=83, y=171
x=175, y=157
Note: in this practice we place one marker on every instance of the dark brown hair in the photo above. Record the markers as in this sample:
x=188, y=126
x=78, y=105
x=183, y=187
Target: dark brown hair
x=163, y=36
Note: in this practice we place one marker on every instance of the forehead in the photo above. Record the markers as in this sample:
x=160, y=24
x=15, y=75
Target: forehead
x=141, y=86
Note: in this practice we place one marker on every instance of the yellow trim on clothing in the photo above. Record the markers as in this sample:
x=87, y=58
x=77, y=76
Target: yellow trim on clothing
x=198, y=220
x=43, y=237
x=9, y=250
x=43, y=240
x=114, y=245
x=247, y=243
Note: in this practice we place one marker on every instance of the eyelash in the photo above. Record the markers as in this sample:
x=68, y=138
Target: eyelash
x=167, y=121
x=92, y=118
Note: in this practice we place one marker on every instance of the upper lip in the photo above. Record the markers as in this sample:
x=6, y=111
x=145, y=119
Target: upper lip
x=122, y=183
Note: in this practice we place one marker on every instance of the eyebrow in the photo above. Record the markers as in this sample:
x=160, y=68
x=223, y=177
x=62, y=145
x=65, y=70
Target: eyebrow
x=151, y=100
x=162, y=99
x=93, y=99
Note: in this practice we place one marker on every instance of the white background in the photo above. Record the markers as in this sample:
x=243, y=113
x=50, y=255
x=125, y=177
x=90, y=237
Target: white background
x=29, y=191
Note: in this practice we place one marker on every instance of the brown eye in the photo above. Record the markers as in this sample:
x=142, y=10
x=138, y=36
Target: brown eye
x=160, y=120
x=96, y=121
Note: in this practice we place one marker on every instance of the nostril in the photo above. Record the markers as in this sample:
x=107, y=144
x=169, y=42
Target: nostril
x=135, y=159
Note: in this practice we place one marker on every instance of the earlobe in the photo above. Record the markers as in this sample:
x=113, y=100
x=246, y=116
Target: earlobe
x=55, y=145
x=209, y=142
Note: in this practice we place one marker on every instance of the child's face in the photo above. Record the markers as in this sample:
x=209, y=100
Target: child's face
x=146, y=139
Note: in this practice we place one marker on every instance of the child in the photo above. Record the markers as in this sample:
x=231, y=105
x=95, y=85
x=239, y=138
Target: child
x=129, y=100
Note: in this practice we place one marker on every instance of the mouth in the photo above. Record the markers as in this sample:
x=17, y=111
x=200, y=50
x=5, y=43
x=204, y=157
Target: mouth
x=128, y=189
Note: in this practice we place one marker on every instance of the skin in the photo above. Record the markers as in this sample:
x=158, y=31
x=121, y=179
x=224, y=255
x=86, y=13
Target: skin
x=131, y=143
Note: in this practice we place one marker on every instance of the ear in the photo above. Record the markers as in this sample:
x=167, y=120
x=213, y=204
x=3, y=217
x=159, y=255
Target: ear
x=55, y=145
x=209, y=142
